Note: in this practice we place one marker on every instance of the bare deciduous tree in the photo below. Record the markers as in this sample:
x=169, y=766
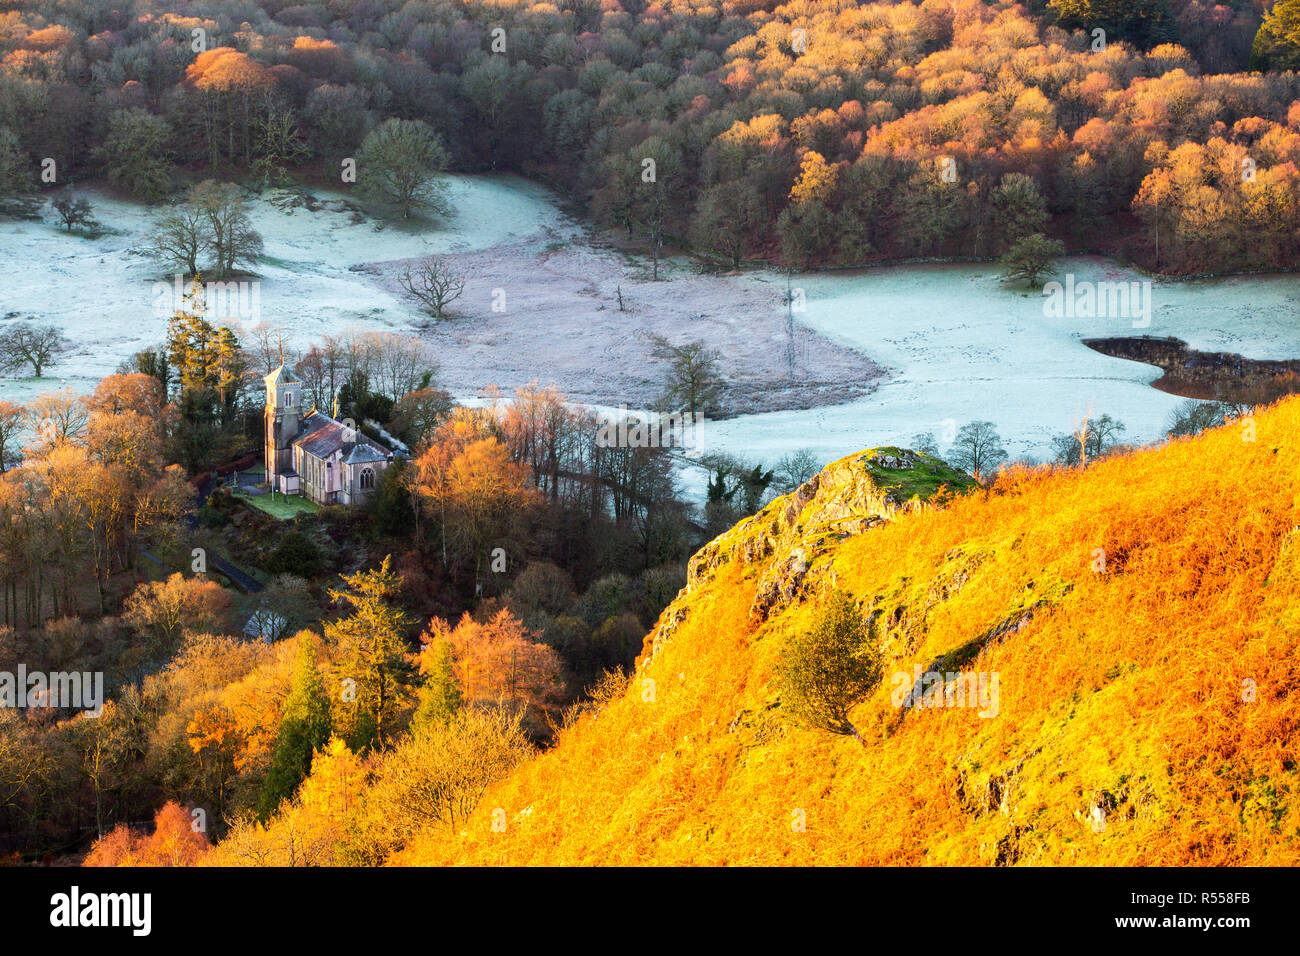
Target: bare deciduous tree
x=181, y=239
x=796, y=468
x=432, y=282
x=230, y=232
x=401, y=364
x=1083, y=435
x=1091, y=438
x=321, y=370
x=56, y=419
x=270, y=347
x=356, y=354
x=279, y=142
x=29, y=344
x=75, y=212
x=978, y=449
x=214, y=219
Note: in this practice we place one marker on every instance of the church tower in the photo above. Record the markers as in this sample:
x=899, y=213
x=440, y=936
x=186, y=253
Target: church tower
x=283, y=408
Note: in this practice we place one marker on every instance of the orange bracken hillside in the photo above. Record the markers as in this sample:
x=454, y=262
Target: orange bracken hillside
x=1142, y=619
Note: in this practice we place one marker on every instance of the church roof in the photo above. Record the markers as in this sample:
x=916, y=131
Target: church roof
x=324, y=436
x=281, y=374
x=313, y=420
x=362, y=452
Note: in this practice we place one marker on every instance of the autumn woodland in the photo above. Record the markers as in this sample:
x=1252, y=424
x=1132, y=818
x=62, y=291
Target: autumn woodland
x=346, y=612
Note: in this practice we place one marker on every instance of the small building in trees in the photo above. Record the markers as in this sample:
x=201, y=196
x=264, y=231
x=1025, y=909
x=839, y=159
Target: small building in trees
x=309, y=453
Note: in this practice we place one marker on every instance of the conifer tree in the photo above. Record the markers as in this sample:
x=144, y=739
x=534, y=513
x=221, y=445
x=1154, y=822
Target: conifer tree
x=440, y=696
x=371, y=648
x=227, y=370
x=1144, y=23
x=304, y=728
x=207, y=358
x=1277, y=44
x=190, y=339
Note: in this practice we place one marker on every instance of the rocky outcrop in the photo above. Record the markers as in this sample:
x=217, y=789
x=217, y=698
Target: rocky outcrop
x=787, y=544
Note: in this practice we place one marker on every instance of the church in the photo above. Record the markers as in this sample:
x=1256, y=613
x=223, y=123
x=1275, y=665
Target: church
x=309, y=453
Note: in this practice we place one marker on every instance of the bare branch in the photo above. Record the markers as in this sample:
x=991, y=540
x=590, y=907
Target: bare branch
x=432, y=283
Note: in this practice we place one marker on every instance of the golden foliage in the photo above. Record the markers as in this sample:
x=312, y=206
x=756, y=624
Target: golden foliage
x=225, y=69
x=308, y=830
x=50, y=38
x=499, y=660
x=175, y=841
x=1157, y=695
x=816, y=180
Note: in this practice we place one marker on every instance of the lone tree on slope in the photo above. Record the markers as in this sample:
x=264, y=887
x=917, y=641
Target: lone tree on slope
x=978, y=449
x=1030, y=258
x=400, y=163
x=693, y=378
x=830, y=668
x=75, y=212
x=433, y=284
x=29, y=344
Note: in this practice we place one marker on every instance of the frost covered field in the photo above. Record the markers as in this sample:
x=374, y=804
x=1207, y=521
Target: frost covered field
x=334, y=268
x=960, y=346
x=100, y=292
x=881, y=354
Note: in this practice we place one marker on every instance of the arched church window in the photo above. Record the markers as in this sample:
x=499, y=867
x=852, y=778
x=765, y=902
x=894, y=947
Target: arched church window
x=367, y=478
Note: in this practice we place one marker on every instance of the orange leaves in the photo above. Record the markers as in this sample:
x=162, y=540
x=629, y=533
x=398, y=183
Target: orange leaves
x=500, y=660
x=1160, y=689
x=128, y=392
x=483, y=485
x=322, y=58
x=469, y=484
x=740, y=79
x=226, y=70
x=311, y=43
x=177, y=840
x=114, y=848
x=179, y=605
x=484, y=476
x=334, y=786
x=766, y=131
x=50, y=38
x=213, y=728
